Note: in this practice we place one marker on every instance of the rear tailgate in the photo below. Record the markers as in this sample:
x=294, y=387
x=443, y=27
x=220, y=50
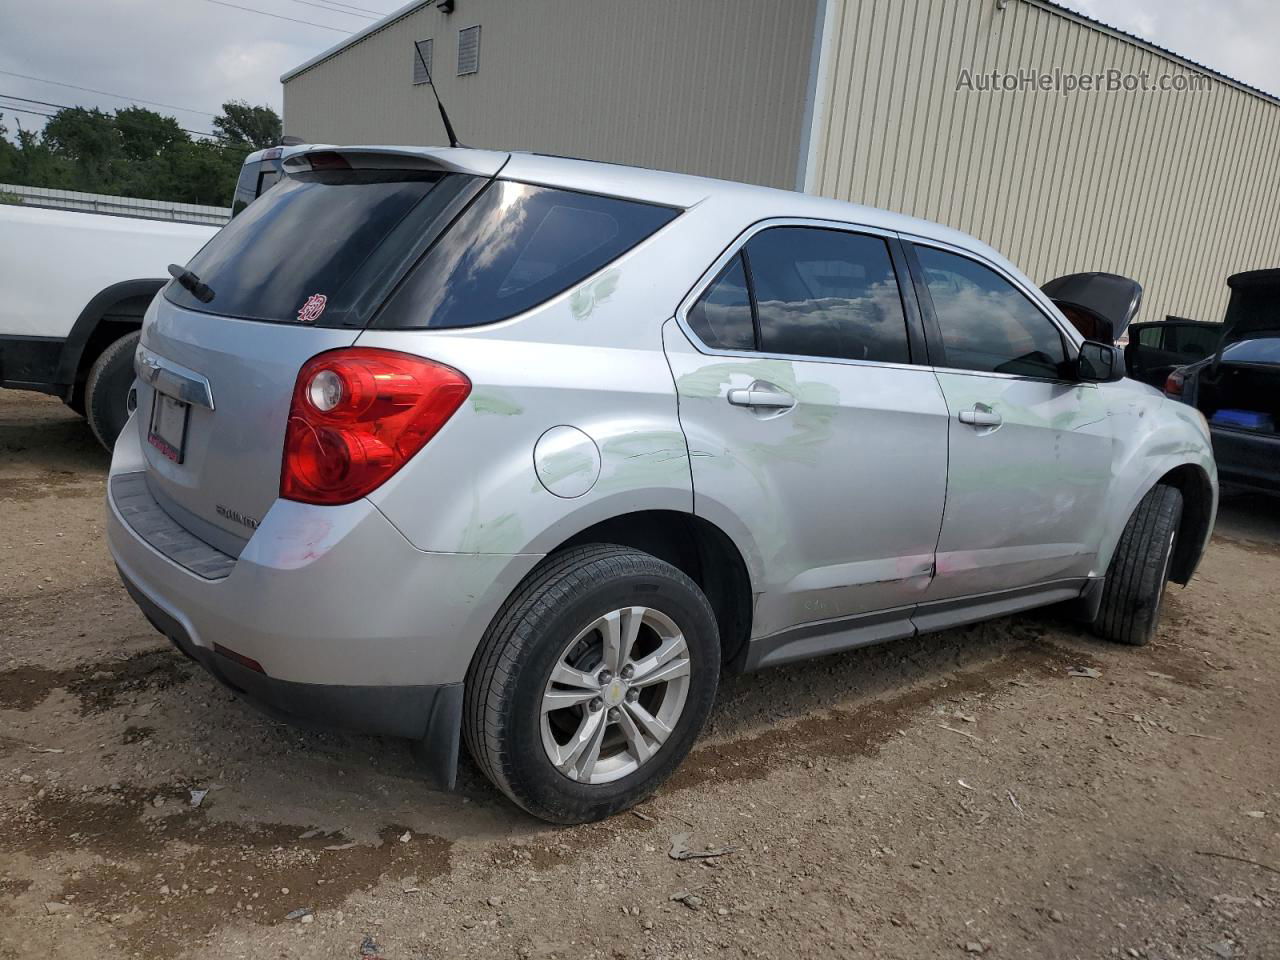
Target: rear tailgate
x=219, y=473
x=299, y=272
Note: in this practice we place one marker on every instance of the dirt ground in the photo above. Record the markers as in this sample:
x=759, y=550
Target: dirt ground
x=953, y=795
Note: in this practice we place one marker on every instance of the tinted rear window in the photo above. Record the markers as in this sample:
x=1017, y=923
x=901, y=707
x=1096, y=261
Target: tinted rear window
x=517, y=246
x=319, y=244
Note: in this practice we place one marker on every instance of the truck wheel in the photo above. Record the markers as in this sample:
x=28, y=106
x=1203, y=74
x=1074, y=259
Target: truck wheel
x=1135, y=583
x=106, y=391
x=592, y=683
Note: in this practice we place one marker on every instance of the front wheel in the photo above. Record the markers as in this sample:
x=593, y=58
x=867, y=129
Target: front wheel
x=1139, y=570
x=592, y=683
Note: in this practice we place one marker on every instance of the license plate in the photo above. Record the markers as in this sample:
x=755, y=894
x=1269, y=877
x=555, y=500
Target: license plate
x=168, y=432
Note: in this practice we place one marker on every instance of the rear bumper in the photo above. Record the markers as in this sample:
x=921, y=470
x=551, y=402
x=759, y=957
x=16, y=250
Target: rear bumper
x=431, y=713
x=352, y=627
x=1247, y=458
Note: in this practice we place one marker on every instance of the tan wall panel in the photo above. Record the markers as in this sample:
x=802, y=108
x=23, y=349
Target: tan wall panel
x=1176, y=189
x=713, y=87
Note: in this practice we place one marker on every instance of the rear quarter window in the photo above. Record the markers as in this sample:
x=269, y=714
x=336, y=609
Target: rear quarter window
x=518, y=245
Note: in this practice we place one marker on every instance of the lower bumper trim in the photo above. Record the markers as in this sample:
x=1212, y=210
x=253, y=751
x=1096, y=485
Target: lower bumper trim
x=429, y=715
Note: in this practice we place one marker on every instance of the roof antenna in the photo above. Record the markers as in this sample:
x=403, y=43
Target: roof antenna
x=444, y=115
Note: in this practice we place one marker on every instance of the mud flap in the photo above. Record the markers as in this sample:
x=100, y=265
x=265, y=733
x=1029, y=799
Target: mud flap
x=437, y=752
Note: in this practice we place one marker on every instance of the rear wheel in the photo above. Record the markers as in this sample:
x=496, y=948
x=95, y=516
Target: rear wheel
x=1135, y=583
x=592, y=683
x=106, y=391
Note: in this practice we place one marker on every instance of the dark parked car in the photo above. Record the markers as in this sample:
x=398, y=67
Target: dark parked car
x=1229, y=371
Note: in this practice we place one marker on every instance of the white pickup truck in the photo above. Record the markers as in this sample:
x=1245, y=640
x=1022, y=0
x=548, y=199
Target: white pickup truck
x=74, y=287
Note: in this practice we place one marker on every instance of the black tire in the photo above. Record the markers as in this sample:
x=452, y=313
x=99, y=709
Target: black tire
x=106, y=391
x=1139, y=570
x=511, y=669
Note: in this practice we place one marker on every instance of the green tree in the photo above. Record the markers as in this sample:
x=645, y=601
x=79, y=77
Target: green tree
x=257, y=127
x=91, y=141
x=137, y=152
x=145, y=134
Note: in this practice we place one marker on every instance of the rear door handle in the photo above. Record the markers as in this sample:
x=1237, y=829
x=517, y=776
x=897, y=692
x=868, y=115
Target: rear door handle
x=980, y=417
x=761, y=397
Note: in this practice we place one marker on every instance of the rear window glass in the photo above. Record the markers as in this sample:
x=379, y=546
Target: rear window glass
x=1263, y=350
x=314, y=247
x=517, y=246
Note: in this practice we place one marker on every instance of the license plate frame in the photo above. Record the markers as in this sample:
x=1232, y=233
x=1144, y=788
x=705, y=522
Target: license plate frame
x=167, y=431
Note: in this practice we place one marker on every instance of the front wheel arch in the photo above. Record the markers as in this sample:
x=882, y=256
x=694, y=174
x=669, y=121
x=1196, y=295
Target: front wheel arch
x=1197, y=519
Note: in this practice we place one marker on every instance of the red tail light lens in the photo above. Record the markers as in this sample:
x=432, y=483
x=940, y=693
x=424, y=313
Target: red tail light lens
x=358, y=415
x=1173, y=384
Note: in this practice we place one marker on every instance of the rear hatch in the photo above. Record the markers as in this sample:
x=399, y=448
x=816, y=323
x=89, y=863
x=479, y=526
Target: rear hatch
x=299, y=272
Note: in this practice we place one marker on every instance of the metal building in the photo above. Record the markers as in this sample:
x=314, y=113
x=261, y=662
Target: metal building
x=890, y=103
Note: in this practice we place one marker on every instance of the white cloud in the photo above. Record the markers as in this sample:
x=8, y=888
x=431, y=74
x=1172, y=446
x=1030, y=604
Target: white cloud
x=184, y=52
x=1235, y=37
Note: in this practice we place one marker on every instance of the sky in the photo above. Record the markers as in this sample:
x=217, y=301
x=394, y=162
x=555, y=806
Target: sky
x=196, y=54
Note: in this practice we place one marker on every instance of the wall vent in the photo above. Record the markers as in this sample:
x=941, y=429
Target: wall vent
x=419, y=72
x=468, y=51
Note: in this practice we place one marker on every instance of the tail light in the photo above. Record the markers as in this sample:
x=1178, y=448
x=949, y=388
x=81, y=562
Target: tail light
x=1173, y=385
x=358, y=415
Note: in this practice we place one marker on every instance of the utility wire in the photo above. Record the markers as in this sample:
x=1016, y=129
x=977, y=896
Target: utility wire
x=277, y=16
x=346, y=13
x=118, y=96
x=63, y=106
x=34, y=113
x=352, y=6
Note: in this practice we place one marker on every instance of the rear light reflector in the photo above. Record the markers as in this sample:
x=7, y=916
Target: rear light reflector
x=358, y=415
x=239, y=658
x=1174, y=383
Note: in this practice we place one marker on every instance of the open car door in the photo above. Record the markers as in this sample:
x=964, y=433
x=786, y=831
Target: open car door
x=1099, y=305
x=1156, y=349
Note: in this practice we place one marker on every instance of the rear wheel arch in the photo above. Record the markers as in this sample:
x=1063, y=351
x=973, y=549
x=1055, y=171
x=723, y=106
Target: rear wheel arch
x=697, y=548
x=112, y=313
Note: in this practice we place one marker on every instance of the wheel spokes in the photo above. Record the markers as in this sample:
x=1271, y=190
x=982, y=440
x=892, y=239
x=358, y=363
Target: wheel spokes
x=619, y=630
x=578, y=757
x=568, y=676
x=640, y=747
x=647, y=722
x=669, y=661
x=562, y=699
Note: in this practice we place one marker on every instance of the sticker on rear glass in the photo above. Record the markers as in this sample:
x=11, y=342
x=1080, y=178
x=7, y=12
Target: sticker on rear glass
x=312, y=309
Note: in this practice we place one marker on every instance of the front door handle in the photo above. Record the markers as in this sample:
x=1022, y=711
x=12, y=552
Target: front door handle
x=761, y=396
x=981, y=416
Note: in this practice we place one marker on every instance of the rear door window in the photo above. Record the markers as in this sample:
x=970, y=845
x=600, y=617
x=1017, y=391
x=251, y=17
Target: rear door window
x=827, y=293
x=319, y=245
x=987, y=324
x=517, y=246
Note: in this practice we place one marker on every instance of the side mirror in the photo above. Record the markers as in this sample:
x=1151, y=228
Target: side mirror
x=1099, y=363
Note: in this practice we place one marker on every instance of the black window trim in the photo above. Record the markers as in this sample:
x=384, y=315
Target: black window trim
x=1070, y=337
x=916, y=339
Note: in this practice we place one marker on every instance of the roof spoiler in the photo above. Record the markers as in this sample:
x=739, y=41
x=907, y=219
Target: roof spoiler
x=480, y=163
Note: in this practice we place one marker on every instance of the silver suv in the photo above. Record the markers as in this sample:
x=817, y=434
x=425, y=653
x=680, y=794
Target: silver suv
x=524, y=451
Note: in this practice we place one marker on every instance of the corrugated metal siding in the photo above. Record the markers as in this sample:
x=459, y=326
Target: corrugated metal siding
x=713, y=87
x=1177, y=189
